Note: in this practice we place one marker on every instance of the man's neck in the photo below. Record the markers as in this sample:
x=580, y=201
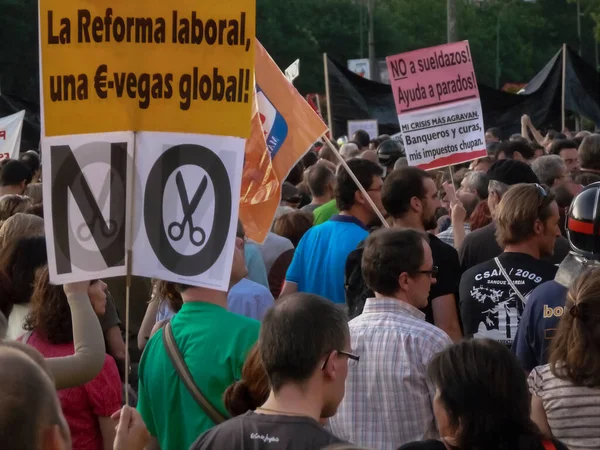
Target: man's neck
x=11, y=190
x=400, y=297
x=527, y=247
x=294, y=401
x=358, y=213
x=318, y=201
x=409, y=221
x=202, y=295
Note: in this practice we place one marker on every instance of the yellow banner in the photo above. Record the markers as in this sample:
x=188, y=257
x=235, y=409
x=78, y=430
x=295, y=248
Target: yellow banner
x=178, y=66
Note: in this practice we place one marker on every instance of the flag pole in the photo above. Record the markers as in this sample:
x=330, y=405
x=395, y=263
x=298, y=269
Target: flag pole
x=326, y=71
x=360, y=186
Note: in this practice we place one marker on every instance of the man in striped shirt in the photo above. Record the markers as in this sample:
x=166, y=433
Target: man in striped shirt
x=388, y=399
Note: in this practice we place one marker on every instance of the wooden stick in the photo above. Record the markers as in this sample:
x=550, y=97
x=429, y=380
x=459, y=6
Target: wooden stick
x=326, y=71
x=360, y=186
x=129, y=263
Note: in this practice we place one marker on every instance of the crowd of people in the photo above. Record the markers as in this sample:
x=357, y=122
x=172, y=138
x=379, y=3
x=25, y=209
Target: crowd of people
x=469, y=319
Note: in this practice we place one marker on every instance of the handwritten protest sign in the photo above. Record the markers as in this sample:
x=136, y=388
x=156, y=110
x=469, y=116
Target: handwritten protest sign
x=437, y=100
x=10, y=135
x=370, y=126
x=152, y=66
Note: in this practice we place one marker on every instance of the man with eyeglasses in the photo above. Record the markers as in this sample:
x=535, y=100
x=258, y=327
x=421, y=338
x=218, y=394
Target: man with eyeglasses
x=307, y=367
x=493, y=294
x=389, y=399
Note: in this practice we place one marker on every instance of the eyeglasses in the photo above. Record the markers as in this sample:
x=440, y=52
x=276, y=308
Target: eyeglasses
x=433, y=272
x=352, y=358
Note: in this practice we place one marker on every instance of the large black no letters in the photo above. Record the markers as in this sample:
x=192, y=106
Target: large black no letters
x=165, y=165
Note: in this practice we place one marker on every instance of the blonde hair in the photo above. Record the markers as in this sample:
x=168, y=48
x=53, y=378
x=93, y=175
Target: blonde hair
x=12, y=204
x=20, y=226
x=34, y=190
x=519, y=209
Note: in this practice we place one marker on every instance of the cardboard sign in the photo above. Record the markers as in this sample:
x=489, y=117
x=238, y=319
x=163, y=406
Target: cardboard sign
x=181, y=66
x=437, y=100
x=10, y=135
x=186, y=220
x=370, y=126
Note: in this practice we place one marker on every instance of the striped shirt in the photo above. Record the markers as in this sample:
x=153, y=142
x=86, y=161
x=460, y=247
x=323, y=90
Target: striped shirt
x=388, y=399
x=447, y=236
x=573, y=412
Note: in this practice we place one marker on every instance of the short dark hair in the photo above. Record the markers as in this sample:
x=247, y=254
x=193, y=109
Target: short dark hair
x=291, y=350
x=589, y=152
x=496, y=412
x=296, y=175
x=509, y=148
x=362, y=138
x=389, y=252
x=319, y=177
x=32, y=160
x=561, y=144
x=400, y=187
x=346, y=188
x=494, y=132
x=586, y=178
x=15, y=172
x=310, y=159
x=293, y=225
x=19, y=262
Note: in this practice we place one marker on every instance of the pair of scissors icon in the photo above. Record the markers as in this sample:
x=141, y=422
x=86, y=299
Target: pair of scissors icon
x=108, y=229
x=176, y=229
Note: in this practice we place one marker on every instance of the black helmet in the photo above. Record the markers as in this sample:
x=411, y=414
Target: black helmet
x=388, y=152
x=583, y=222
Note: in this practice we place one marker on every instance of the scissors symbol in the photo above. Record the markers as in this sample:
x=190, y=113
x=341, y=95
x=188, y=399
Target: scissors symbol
x=176, y=229
x=108, y=230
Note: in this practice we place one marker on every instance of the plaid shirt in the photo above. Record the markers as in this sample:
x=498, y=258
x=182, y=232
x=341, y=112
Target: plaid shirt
x=447, y=236
x=388, y=399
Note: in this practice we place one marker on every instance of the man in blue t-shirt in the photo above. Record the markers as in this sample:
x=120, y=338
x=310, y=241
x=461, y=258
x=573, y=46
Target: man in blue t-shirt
x=547, y=303
x=320, y=258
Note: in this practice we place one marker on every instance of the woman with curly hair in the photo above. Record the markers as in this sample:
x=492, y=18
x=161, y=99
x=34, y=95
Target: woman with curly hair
x=88, y=407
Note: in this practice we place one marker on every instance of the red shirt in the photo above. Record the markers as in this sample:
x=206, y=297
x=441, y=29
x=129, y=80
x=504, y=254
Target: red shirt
x=83, y=405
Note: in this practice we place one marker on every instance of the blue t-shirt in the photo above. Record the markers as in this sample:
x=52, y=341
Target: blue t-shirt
x=320, y=258
x=255, y=264
x=545, y=306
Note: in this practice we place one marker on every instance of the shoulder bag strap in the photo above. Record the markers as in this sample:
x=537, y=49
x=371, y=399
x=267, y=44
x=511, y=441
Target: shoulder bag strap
x=184, y=374
x=510, y=282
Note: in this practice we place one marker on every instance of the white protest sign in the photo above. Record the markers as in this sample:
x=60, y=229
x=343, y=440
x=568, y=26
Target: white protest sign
x=437, y=100
x=293, y=71
x=360, y=67
x=186, y=221
x=370, y=126
x=86, y=192
x=10, y=135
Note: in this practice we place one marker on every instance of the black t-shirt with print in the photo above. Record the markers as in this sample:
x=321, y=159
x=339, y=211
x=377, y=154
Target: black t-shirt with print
x=253, y=431
x=489, y=307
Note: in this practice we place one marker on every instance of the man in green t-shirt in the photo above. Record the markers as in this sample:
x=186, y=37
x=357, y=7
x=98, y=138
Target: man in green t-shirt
x=324, y=212
x=214, y=343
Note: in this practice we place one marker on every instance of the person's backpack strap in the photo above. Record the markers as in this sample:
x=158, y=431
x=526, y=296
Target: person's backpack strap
x=184, y=374
x=509, y=281
x=548, y=445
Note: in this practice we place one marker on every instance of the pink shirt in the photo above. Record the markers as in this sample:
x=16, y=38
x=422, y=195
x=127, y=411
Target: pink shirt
x=83, y=404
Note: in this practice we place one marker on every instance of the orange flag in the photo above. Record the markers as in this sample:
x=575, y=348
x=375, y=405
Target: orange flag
x=284, y=127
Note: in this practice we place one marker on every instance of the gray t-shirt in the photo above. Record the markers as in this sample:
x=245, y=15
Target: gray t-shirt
x=253, y=431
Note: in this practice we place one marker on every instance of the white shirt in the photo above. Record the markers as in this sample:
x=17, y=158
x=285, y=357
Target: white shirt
x=389, y=400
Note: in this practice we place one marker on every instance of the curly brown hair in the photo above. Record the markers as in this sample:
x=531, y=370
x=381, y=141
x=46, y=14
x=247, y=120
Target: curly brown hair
x=575, y=350
x=50, y=314
x=165, y=290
